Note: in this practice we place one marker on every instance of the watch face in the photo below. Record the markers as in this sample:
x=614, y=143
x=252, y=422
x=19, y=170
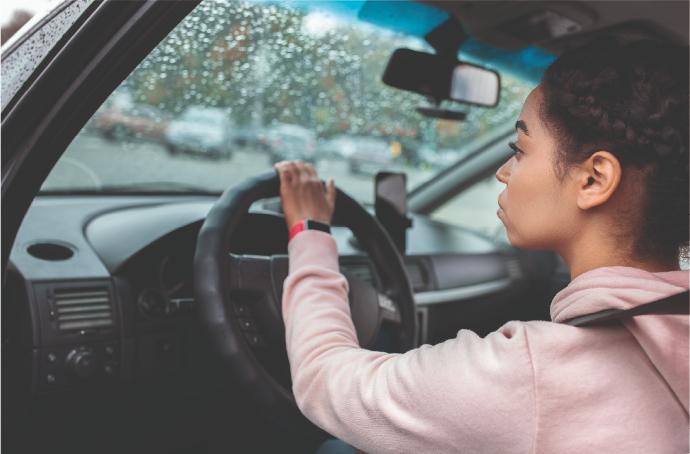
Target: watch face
x=316, y=225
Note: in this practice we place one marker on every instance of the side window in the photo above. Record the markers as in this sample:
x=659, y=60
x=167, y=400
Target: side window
x=475, y=208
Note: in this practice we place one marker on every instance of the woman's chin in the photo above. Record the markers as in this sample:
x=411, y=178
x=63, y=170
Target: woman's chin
x=516, y=241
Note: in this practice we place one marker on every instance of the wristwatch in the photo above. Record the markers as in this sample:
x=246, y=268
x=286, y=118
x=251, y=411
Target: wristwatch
x=308, y=224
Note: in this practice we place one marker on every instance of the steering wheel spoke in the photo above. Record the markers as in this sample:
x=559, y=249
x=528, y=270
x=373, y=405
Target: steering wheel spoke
x=255, y=283
x=388, y=310
x=249, y=272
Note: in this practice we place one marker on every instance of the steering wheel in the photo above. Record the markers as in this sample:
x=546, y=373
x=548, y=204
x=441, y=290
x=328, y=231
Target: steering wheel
x=239, y=297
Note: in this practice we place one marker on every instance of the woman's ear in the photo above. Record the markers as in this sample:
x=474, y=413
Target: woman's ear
x=597, y=179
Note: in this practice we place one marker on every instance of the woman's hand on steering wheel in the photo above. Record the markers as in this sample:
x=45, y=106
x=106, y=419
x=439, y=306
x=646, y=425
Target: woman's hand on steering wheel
x=230, y=287
x=303, y=195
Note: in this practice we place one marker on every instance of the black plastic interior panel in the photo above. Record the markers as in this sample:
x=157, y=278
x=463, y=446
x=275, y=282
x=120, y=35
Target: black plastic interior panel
x=143, y=226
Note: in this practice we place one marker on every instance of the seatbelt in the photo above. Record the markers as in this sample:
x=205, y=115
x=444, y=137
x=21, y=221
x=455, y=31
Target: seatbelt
x=674, y=304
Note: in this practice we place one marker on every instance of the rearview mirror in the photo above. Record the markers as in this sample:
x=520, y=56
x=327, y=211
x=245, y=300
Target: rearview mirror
x=475, y=85
x=441, y=78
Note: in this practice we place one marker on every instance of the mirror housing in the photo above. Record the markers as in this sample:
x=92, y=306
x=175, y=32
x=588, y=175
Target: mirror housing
x=442, y=79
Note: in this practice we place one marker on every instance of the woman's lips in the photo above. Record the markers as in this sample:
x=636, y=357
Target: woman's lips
x=500, y=210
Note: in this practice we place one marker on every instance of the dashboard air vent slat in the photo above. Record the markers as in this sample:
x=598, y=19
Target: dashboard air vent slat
x=79, y=309
x=72, y=310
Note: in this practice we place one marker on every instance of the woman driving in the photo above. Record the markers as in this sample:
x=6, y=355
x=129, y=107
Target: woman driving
x=599, y=175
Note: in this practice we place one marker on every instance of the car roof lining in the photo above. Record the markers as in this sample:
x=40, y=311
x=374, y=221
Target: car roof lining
x=486, y=21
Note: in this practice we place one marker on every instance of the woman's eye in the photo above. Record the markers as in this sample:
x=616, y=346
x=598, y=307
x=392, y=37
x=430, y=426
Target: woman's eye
x=516, y=150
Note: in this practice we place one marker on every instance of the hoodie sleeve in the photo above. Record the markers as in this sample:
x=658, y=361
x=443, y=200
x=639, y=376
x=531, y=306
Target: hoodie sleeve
x=467, y=394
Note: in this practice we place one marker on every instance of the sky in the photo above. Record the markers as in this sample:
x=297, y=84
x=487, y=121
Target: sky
x=7, y=7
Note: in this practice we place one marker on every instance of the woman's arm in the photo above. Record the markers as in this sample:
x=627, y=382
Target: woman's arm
x=466, y=394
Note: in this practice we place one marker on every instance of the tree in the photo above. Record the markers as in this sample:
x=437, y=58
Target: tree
x=258, y=61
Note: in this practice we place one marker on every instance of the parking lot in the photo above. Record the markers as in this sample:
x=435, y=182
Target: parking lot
x=92, y=162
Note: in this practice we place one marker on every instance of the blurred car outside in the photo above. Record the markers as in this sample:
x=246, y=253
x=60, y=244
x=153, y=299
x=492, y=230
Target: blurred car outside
x=371, y=154
x=200, y=130
x=285, y=141
x=439, y=159
x=140, y=121
x=410, y=150
x=337, y=147
x=250, y=137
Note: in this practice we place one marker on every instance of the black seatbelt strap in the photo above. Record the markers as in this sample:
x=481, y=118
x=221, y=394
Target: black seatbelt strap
x=674, y=304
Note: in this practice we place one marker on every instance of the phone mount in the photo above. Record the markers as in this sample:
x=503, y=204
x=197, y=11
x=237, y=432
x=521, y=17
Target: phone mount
x=390, y=205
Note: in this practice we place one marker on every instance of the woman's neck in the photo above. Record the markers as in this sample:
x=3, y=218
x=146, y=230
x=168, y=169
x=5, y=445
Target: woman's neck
x=583, y=256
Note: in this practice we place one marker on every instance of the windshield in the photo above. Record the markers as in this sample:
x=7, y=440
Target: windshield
x=203, y=116
x=237, y=86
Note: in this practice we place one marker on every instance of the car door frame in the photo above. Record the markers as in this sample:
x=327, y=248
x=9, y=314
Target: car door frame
x=109, y=40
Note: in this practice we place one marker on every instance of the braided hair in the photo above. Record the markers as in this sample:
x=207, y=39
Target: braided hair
x=630, y=99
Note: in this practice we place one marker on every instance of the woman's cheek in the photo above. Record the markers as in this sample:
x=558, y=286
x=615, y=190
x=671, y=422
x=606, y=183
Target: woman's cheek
x=519, y=230
x=530, y=218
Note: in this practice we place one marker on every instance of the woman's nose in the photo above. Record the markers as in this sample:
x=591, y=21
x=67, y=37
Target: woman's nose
x=503, y=172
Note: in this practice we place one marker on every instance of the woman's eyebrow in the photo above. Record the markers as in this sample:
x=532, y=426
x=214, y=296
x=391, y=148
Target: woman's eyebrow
x=521, y=126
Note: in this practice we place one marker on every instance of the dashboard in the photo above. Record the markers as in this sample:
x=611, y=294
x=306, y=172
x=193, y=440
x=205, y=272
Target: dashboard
x=100, y=288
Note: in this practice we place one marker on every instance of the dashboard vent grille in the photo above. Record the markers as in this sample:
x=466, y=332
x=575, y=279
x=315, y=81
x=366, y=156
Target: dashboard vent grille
x=417, y=275
x=83, y=308
x=514, y=269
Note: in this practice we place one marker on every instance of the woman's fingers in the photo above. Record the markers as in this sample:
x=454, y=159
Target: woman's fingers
x=309, y=169
x=287, y=170
x=303, y=195
x=330, y=191
x=299, y=172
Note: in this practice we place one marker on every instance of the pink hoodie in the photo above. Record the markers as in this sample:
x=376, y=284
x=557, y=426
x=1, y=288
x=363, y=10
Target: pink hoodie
x=529, y=387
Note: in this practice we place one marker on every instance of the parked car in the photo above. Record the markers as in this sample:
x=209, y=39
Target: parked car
x=439, y=158
x=200, y=130
x=140, y=121
x=367, y=155
x=249, y=137
x=287, y=141
x=339, y=146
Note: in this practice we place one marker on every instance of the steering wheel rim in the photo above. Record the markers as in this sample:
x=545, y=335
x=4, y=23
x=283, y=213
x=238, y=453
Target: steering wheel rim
x=216, y=276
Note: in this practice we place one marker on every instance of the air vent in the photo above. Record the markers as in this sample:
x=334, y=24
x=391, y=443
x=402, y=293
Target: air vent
x=417, y=275
x=79, y=309
x=514, y=269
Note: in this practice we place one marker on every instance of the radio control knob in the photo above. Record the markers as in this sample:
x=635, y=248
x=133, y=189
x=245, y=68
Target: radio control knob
x=83, y=363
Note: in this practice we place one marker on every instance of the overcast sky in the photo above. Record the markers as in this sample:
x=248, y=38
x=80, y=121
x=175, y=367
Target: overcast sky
x=7, y=7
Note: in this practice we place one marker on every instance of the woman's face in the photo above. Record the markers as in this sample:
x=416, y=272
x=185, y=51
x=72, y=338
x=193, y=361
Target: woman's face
x=536, y=208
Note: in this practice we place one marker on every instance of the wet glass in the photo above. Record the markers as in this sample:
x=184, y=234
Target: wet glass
x=237, y=86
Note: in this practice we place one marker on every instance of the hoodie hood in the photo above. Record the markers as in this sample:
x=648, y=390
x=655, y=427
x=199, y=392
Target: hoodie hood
x=664, y=338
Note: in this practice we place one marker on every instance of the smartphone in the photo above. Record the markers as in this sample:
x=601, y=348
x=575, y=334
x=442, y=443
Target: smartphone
x=390, y=205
